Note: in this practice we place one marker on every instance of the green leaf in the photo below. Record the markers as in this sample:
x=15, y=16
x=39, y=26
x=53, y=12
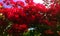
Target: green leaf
x=31, y=33
x=26, y=33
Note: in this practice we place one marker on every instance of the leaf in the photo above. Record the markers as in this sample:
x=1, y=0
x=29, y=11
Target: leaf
x=26, y=33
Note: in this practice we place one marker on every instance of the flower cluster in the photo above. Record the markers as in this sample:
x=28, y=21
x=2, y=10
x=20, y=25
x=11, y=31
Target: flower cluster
x=28, y=15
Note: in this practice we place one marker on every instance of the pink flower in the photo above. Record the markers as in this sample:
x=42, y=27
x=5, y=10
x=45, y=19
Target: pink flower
x=4, y=1
x=7, y=3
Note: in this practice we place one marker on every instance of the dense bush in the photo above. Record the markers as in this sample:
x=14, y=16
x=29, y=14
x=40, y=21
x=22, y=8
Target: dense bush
x=18, y=21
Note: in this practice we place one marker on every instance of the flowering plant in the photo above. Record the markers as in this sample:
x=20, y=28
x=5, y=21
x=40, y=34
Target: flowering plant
x=31, y=19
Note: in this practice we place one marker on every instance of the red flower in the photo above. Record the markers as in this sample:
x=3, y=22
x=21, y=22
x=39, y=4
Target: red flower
x=19, y=27
x=46, y=22
x=33, y=17
x=12, y=3
x=1, y=4
x=28, y=1
x=15, y=26
x=30, y=18
x=16, y=16
x=49, y=31
x=20, y=3
x=53, y=11
x=10, y=15
x=22, y=27
x=41, y=8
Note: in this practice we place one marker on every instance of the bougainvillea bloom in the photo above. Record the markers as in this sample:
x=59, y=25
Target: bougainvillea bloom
x=19, y=27
x=49, y=32
x=17, y=19
x=20, y=3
